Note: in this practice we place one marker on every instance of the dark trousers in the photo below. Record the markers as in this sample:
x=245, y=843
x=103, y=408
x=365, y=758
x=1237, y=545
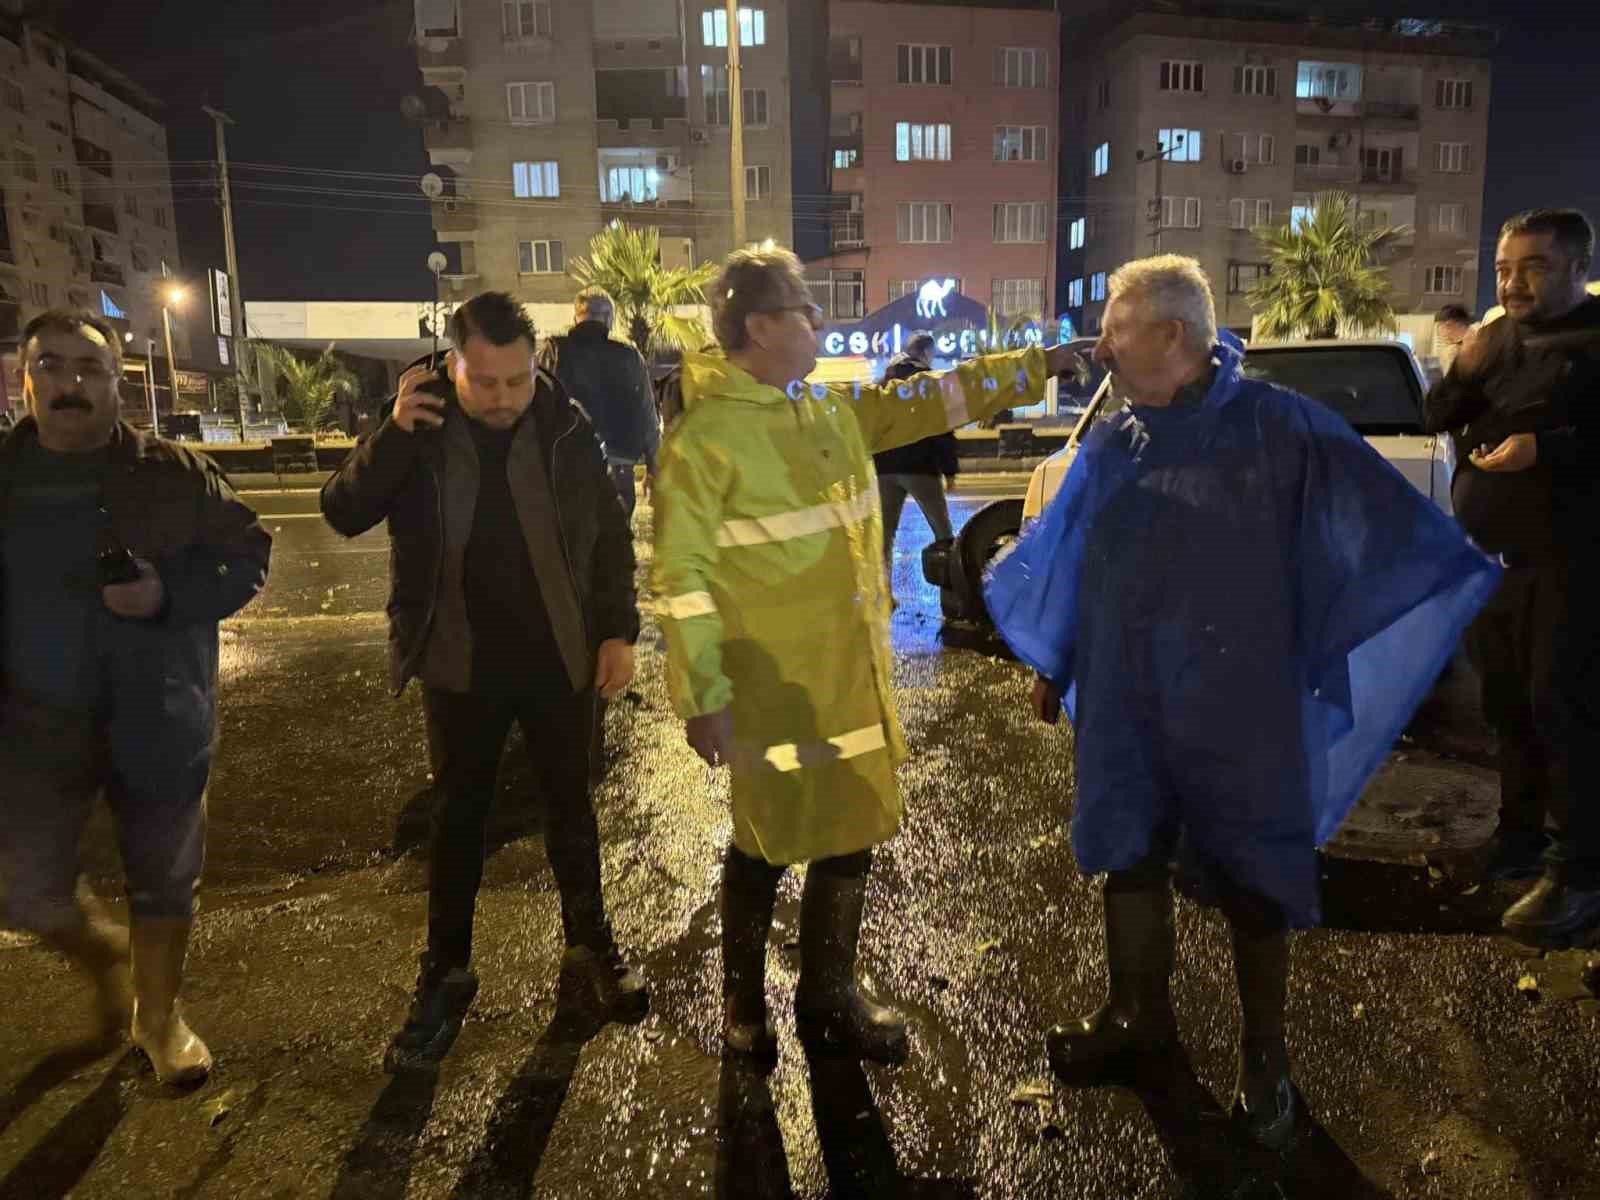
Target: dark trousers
x=1536, y=647
x=466, y=737
x=1249, y=912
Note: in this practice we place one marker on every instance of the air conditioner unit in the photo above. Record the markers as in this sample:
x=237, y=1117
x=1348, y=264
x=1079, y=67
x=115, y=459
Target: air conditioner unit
x=699, y=136
x=1238, y=166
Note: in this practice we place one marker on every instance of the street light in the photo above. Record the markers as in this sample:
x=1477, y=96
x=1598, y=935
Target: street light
x=172, y=297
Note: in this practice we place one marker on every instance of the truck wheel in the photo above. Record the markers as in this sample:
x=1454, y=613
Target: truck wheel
x=990, y=530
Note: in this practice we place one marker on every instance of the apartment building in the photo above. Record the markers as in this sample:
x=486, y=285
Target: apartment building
x=1198, y=129
x=87, y=215
x=944, y=143
x=548, y=119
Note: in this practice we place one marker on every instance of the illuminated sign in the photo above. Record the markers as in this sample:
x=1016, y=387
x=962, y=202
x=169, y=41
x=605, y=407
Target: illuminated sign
x=961, y=343
x=930, y=300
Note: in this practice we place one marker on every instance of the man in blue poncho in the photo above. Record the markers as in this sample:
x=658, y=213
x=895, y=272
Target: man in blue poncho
x=1240, y=604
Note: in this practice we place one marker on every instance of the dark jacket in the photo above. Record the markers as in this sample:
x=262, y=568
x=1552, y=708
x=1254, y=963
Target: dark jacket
x=1544, y=380
x=580, y=546
x=609, y=381
x=937, y=455
x=173, y=507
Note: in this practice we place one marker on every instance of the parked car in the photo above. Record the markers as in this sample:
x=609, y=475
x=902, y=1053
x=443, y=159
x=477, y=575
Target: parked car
x=1378, y=386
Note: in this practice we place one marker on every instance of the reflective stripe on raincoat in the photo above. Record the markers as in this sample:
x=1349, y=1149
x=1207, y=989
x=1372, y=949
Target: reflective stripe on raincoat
x=770, y=588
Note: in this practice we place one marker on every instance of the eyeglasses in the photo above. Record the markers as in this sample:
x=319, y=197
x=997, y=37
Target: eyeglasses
x=813, y=312
x=64, y=371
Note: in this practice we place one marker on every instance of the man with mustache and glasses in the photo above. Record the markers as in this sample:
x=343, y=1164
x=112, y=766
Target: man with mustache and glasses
x=1520, y=401
x=119, y=554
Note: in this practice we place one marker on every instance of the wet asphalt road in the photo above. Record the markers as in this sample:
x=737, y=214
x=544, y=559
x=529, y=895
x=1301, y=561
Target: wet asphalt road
x=1411, y=1039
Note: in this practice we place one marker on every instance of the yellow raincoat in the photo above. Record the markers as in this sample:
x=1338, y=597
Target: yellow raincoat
x=769, y=579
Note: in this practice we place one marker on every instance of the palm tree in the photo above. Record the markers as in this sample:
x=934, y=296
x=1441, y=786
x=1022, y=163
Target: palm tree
x=1325, y=274
x=313, y=385
x=625, y=260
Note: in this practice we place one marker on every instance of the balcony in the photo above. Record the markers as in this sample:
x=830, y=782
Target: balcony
x=100, y=216
x=451, y=138
x=848, y=232
x=1320, y=175
x=455, y=214
x=107, y=272
x=1400, y=179
x=93, y=157
x=1391, y=110
x=436, y=53
x=643, y=133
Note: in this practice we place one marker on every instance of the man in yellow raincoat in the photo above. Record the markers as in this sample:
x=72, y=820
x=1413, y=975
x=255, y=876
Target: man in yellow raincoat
x=769, y=572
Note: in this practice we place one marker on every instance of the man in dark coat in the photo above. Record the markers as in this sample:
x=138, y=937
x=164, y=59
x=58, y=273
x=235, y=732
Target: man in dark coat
x=512, y=599
x=920, y=470
x=1520, y=401
x=119, y=554
x=609, y=380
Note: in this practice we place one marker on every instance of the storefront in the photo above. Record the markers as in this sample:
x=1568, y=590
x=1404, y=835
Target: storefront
x=962, y=329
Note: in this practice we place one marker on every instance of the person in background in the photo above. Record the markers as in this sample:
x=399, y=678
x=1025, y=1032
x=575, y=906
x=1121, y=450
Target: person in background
x=609, y=380
x=119, y=554
x=769, y=569
x=920, y=470
x=512, y=598
x=1240, y=604
x=1520, y=403
x=1451, y=324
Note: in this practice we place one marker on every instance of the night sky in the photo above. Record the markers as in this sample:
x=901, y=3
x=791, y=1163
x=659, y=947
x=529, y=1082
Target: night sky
x=326, y=205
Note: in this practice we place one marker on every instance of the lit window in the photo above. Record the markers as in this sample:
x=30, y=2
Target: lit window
x=924, y=64
x=924, y=221
x=1183, y=76
x=843, y=160
x=1021, y=68
x=752, y=27
x=1075, y=293
x=531, y=103
x=540, y=258
x=536, y=180
x=915, y=143
x=1097, y=286
x=1302, y=210
x=1024, y=222
x=1019, y=143
x=631, y=185
x=1328, y=81
x=1077, y=234
x=1101, y=160
x=1442, y=281
x=1179, y=145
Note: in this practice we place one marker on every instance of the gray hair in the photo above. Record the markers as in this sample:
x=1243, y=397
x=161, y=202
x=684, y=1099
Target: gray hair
x=752, y=281
x=595, y=304
x=1173, y=287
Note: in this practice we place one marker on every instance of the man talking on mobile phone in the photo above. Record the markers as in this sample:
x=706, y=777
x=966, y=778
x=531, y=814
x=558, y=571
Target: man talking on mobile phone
x=512, y=599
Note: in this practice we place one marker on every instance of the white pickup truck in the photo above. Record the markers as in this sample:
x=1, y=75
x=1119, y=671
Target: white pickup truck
x=1378, y=386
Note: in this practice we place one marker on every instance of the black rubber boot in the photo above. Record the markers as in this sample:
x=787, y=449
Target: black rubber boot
x=749, y=891
x=618, y=988
x=1136, y=1019
x=831, y=1013
x=440, y=1003
x=1263, y=1098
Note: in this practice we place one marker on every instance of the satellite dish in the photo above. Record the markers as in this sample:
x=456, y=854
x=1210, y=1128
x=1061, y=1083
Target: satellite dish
x=432, y=186
x=437, y=263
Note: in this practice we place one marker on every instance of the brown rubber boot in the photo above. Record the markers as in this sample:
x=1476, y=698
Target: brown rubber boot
x=176, y=1053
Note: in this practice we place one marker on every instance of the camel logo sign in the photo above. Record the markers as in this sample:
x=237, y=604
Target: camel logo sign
x=930, y=300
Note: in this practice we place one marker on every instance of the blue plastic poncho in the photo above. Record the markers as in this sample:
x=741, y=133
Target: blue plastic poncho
x=1243, y=604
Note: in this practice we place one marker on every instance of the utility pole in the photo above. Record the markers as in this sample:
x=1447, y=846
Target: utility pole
x=235, y=300
x=172, y=359
x=736, y=122
x=1157, y=213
